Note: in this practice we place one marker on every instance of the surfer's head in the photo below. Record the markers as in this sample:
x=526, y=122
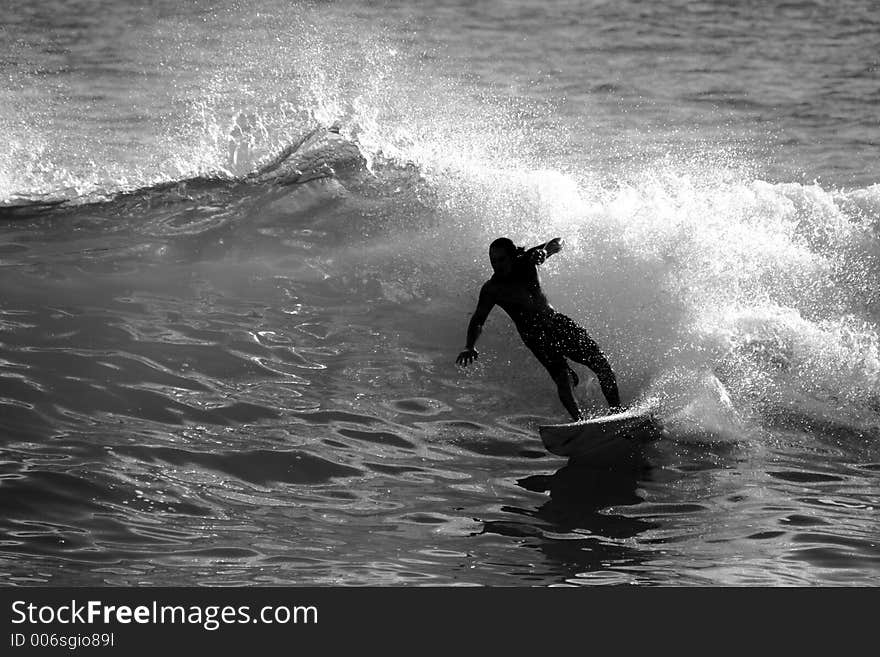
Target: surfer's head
x=502, y=253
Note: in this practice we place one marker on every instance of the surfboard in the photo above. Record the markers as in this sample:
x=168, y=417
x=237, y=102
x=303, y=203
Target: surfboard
x=601, y=440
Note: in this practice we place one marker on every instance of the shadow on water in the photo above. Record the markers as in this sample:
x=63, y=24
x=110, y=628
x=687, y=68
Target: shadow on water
x=574, y=529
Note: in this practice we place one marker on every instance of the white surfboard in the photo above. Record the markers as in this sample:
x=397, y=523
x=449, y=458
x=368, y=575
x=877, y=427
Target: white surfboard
x=602, y=439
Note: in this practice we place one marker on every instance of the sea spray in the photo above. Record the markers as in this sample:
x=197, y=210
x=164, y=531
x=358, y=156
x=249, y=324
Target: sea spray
x=761, y=289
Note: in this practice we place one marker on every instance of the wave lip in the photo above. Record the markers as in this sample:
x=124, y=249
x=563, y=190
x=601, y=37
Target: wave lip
x=319, y=154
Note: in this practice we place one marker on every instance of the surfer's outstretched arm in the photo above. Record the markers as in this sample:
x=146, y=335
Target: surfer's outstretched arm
x=475, y=326
x=538, y=254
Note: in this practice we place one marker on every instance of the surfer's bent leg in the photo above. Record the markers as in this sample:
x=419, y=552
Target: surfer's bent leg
x=554, y=362
x=581, y=348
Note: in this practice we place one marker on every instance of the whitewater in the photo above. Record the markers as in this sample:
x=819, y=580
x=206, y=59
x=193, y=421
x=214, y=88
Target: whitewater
x=240, y=244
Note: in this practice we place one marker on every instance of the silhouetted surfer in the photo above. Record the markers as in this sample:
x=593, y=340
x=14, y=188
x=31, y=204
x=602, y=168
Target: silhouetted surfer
x=550, y=335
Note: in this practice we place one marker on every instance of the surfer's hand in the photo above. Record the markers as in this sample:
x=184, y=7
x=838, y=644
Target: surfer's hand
x=467, y=357
x=554, y=246
x=538, y=256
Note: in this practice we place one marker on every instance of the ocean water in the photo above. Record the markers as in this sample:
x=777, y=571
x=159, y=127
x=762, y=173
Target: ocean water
x=240, y=243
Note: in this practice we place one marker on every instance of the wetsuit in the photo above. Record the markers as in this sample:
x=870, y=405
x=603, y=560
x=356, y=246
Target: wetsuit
x=550, y=335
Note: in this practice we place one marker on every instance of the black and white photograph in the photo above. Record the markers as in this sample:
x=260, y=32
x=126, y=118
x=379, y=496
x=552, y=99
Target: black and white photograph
x=490, y=293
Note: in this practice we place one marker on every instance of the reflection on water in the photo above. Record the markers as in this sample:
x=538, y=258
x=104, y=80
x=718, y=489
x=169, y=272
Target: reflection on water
x=574, y=530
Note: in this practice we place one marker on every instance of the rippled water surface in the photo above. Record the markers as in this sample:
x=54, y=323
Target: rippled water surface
x=216, y=369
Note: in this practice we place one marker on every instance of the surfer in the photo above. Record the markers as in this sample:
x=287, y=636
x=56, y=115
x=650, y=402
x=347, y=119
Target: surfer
x=550, y=335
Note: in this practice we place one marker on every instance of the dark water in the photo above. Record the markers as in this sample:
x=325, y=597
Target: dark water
x=220, y=369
